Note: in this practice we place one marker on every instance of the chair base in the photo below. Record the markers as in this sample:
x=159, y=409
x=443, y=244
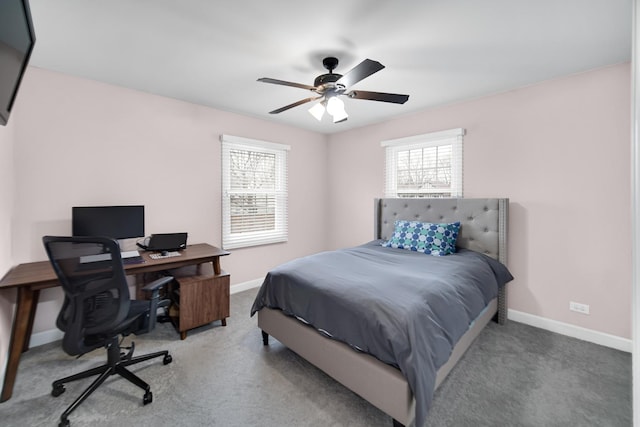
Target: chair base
x=116, y=364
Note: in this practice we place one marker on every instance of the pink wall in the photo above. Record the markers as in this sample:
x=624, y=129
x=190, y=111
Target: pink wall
x=6, y=193
x=79, y=142
x=6, y=213
x=560, y=151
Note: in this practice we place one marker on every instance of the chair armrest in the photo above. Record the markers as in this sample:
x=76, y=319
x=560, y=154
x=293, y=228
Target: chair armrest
x=154, y=287
x=157, y=284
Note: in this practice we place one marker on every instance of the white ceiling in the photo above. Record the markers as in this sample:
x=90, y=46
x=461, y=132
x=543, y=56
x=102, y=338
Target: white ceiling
x=211, y=52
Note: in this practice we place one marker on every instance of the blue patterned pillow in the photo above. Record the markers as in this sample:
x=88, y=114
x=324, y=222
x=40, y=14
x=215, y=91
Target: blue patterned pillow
x=426, y=237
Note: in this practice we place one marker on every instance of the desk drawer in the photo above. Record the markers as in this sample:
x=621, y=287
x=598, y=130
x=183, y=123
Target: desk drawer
x=201, y=300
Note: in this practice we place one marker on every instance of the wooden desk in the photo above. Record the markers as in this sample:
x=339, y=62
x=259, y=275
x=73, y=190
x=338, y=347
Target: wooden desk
x=30, y=278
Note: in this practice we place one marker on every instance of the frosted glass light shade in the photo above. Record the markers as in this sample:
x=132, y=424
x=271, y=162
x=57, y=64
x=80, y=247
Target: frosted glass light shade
x=317, y=111
x=334, y=105
x=340, y=116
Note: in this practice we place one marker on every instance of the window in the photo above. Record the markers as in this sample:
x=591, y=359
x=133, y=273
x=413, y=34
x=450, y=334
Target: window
x=254, y=192
x=428, y=165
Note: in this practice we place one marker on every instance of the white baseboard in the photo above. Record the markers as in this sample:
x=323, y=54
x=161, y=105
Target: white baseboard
x=567, y=329
x=244, y=286
x=45, y=337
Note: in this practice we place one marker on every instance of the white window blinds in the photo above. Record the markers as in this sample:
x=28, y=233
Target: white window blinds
x=428, y=165
x=254, y=192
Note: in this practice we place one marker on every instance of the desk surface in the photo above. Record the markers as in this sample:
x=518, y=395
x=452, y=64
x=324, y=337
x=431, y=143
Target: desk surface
x=40, y=274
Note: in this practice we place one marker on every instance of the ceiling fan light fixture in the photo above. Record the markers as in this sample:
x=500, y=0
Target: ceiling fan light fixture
x=340, y=116
x=335, y=107
x=317, y=111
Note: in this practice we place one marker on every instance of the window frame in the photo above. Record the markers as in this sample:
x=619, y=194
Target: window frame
x=451, y=137
x=280, y=192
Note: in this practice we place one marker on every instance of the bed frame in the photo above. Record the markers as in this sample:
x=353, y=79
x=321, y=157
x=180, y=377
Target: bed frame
x=484, y=229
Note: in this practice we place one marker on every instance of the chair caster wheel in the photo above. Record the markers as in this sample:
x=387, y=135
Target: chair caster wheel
x=167, y=359
x=56, y=391
x=64, y=423
x=148, y=398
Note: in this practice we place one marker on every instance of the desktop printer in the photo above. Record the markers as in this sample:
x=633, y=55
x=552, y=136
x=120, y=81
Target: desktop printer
x=165, y=242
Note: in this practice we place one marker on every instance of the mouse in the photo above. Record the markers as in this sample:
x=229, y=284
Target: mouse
x=164, y=253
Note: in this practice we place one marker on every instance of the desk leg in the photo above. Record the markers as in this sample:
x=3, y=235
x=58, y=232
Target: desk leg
x=32, y=316
x=216, y=265
x=22, y=321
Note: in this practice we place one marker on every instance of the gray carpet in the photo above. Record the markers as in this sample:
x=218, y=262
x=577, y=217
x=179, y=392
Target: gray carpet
x=513, y=375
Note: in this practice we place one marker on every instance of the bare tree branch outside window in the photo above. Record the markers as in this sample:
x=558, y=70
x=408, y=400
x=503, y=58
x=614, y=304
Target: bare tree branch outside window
x=253, y=185
x=424, y=172
x=426, y=165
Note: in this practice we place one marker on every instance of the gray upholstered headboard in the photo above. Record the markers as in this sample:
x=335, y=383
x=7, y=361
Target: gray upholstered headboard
x=483, y=221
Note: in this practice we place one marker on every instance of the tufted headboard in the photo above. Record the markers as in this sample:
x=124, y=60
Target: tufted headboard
x=483, y=221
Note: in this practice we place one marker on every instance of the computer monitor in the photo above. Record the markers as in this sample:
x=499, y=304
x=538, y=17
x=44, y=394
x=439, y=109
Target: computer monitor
x=117, y=222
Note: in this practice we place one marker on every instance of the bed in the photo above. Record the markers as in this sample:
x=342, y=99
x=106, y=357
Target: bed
x=377, y=373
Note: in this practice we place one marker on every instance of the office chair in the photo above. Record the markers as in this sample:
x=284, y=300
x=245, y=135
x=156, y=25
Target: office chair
x=97, y=310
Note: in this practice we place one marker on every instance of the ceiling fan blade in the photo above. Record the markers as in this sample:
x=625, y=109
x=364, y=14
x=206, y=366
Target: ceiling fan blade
x=295, y=104
x=284, y=83
x=378, y=96
x=359, y=72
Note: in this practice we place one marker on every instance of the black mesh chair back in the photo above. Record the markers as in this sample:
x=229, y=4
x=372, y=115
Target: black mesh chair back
x=97, y=297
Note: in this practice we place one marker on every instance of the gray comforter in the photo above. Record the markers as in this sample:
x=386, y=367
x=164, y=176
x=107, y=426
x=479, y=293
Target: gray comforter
x=406, y=308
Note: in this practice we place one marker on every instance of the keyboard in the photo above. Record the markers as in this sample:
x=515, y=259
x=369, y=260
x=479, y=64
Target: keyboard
x=168, y=255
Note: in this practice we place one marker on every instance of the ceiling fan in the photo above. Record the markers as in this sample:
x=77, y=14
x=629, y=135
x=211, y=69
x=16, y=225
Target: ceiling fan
x=330, y=86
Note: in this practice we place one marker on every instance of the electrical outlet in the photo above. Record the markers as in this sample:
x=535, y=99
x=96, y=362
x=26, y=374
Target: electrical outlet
x=580, y=308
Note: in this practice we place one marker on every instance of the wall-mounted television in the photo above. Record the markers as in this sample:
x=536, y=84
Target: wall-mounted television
x=117, y=222
x=17, y=39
